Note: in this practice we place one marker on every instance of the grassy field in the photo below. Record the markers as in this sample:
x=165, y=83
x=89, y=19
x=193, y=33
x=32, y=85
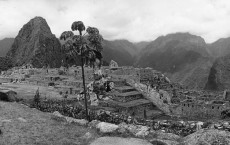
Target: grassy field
x=21, y=125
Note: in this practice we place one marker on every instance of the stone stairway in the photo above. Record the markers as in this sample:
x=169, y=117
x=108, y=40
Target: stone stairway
x=153, y=96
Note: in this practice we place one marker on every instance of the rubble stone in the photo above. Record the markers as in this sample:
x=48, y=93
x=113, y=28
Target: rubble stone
x=106, y=127
x=82, y=122
x=57, y=116
x=94, y=123
x=122, y=128
x=142, y=131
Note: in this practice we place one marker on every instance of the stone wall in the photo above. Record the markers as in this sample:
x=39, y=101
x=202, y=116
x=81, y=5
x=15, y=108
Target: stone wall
x=192, y=109
x=153, y=96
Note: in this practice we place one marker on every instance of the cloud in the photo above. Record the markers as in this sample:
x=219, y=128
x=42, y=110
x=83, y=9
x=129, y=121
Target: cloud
x=134, y=20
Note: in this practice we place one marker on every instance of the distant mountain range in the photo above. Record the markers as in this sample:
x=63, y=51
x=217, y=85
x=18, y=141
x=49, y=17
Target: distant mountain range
x=220, y=47
x=5, y=45
x=184, y=57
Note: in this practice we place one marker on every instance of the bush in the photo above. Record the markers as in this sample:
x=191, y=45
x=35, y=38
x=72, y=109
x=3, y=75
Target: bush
x=165, y=101
x=37, y=98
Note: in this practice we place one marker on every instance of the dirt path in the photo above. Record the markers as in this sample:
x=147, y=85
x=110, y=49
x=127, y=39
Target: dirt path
x=21, y=125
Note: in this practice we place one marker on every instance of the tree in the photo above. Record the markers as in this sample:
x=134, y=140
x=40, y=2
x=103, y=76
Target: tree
x=37, y=98
x=87, y=46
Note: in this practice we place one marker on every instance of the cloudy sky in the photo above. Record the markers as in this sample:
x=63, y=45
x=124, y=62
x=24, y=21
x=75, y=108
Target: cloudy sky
x=135, y=20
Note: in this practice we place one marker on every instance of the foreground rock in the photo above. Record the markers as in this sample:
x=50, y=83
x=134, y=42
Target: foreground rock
x=78, y=121
x=119, y=141
x=106, y=127
x=163, y=142
x=164, y=136
x=59, y=117
x=136, y=130
x=208, y=137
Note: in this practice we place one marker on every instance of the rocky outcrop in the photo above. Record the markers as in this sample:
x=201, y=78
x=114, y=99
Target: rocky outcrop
x=113, y=50
x=36, y=44
x=219, y=75
x=59, y=117
x=211, y=137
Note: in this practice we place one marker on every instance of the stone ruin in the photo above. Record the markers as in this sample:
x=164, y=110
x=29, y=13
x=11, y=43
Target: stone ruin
x=113, y=64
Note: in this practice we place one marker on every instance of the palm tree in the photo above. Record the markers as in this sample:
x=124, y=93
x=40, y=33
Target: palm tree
x=87, y=46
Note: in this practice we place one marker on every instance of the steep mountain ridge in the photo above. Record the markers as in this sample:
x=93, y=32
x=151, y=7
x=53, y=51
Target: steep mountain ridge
x=219, y=75
x=114, y=51
x=193, y=75
x=141, y=45
x=181, y=56
x=126, y=45
x=36, y=44
x=172, y=52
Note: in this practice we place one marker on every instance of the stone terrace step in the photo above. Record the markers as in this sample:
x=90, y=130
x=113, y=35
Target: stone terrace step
x=124, y=89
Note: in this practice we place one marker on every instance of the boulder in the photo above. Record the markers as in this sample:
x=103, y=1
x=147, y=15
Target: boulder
x=93, y=123
x=8, y=96
x=163, y=142
x=165, y=136
x=22, y=119
x=87, y=135
x=57, y=116
x=122, y=128
x=132, y=129
x=106, y=127
x=82, y=122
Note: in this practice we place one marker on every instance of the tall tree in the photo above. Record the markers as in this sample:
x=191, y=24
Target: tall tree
x=87, y=46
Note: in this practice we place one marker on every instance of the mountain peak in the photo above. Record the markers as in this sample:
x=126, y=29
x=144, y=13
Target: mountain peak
x=176, y=41
x=35, y=26
x=185, y=36
x=36, y=44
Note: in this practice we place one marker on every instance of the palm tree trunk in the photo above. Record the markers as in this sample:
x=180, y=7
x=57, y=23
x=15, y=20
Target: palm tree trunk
x=83, y=78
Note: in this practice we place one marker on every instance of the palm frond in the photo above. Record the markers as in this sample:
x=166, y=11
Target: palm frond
x=79, y=40
x=96, y=41
x=89, y=46
x=95, y=38
x=78, y=26
x=68, y=46
x=92, y=30
x=66, y=34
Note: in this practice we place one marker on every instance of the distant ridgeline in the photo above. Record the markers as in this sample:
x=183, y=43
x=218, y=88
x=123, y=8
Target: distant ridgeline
x=5, y=63
x=183, y=57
